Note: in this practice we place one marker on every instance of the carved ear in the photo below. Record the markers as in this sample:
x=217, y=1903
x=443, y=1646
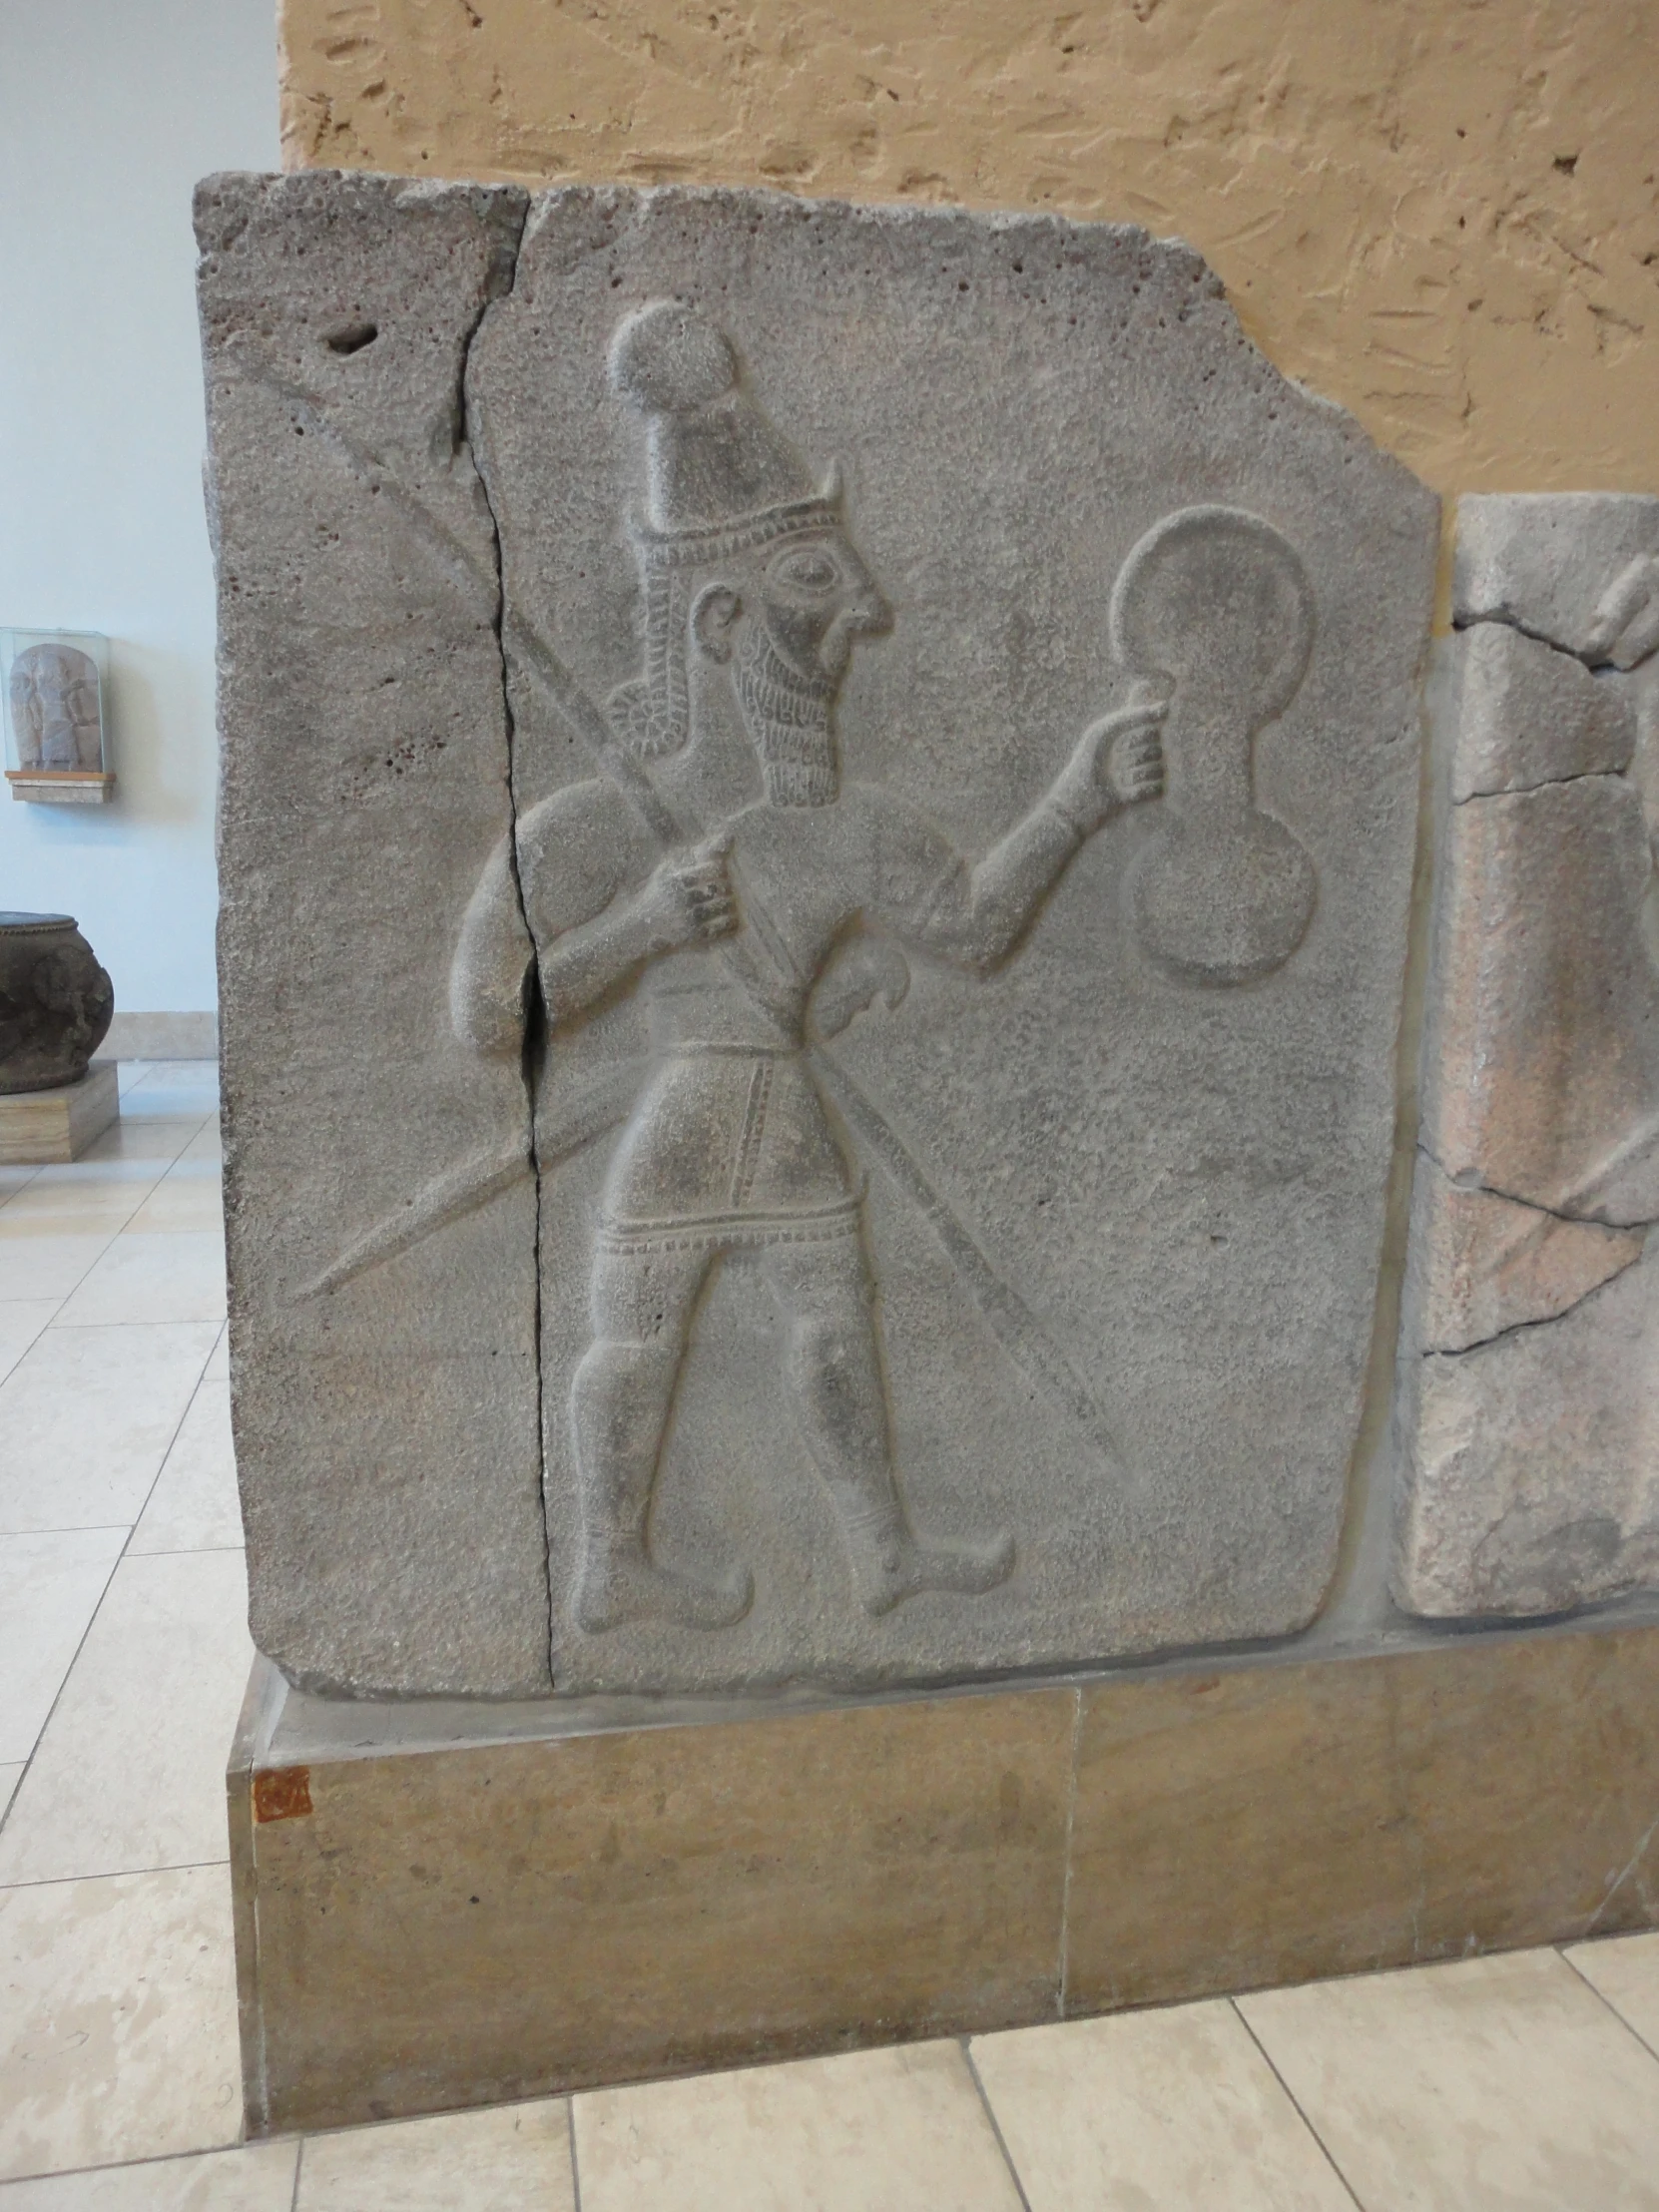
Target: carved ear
x=712, y=621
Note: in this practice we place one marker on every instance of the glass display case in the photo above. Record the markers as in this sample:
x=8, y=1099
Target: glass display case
x=55, y=684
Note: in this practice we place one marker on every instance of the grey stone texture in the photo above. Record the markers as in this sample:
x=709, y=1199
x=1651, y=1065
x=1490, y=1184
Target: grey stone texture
x=962, y=733
x=386, y=1428
x=1530, y=1344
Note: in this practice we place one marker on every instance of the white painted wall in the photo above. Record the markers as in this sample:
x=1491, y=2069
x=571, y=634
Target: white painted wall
x=109, y=112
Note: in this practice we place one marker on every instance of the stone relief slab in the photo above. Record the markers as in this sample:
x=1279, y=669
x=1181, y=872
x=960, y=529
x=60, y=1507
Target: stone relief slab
x=387, y=1427
x=929, y=820
x=965, y=763
x=1530, y=1369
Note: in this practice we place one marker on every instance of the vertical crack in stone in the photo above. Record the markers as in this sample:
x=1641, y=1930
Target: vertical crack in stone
x=499, y=287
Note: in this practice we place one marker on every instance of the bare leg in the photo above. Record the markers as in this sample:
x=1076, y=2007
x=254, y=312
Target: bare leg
x=834, y=1370
x=620, y=1402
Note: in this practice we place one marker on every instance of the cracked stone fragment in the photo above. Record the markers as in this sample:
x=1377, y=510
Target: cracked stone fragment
x=384, y=1397
x=1547, y=562
x=1534, y=714
x=1530, y=1355
x=1484, y=1264
x=1535, y=1483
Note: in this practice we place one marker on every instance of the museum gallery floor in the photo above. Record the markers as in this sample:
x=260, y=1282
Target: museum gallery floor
x=1513, y=2080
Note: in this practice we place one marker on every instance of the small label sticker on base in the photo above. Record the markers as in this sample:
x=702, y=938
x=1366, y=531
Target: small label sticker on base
x=282, y=1794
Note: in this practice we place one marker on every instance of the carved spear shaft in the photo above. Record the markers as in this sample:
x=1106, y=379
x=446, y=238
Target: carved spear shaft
x=478, y=1181
x=1018, y=1331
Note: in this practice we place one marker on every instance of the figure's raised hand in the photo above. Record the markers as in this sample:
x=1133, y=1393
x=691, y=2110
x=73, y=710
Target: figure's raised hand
x=688, y=898
x=1626, y=626
x=1118, y=760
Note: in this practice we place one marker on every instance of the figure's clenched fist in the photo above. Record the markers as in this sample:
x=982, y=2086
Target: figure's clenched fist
x=687, y=900
x=1119, y=761
x=1134, y=746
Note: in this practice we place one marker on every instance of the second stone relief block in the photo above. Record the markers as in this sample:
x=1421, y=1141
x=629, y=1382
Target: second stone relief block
x=1530, y=1351
x=965, y=765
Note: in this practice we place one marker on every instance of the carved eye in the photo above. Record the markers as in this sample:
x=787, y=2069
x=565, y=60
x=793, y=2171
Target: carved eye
x=810, y=569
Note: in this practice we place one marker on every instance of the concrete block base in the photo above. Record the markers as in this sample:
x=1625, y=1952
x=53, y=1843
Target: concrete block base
x=442, y=1905
x=40, y=1128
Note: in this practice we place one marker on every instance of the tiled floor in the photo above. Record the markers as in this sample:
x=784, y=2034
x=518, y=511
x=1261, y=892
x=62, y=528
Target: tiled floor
x=1525, y=2083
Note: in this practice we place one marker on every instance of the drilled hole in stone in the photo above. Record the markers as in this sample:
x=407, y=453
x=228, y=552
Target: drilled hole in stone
x=351, y=338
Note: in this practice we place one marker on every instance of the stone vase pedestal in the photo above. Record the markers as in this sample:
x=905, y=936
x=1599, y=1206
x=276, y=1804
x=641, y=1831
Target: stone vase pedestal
x=45, y=1128
x=441, y=1903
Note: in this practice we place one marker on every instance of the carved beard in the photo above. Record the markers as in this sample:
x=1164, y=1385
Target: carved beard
x=788, y=719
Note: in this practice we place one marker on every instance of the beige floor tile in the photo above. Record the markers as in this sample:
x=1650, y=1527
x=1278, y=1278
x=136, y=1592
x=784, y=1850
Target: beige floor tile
x=161, y=1277
x=21, y=1322
x=194, y=1507
x=49, y=1590
x=1167, y=2112
x=878, y=2131
x=513, y=2159
x=118, y=2020
x=130, y=1773
x=257, y=2178
x=205, y=1146
x=9, y=1779
x=131, y=1073
x=155, y=1140
x=133, y=1156
x=176, y=1090
x=1625, y=1969
x=218, y=1367
x=1492, y=2085
x=88, y=1416
x=186, y=1198
x=80, y=1200
x=12, y=1181
x=48, y=1264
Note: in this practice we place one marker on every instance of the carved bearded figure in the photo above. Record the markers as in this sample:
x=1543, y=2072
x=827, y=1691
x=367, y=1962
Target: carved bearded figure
x=747, y=565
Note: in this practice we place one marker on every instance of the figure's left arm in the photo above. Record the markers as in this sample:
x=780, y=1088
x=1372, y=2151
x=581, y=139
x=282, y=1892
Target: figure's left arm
x=975, y=914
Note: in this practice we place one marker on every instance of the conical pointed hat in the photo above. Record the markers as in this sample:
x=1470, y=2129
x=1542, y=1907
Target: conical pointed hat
x=713, y=461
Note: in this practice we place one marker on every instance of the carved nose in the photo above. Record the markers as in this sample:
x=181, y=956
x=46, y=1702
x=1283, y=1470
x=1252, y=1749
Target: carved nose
x=870, y=614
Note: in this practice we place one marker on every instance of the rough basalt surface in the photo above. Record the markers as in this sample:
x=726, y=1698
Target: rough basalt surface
x=519, y=651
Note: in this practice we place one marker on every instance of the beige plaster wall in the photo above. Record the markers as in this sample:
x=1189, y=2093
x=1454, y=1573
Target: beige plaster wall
x=1442, y=213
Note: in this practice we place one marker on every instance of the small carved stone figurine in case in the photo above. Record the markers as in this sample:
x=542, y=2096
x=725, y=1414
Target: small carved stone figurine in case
x=55, y=686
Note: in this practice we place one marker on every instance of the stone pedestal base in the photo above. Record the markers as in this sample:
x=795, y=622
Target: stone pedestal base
x=39, y=1128
x=445, y=1904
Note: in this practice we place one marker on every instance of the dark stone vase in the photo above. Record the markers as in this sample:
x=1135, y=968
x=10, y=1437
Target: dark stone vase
x=56, y=1002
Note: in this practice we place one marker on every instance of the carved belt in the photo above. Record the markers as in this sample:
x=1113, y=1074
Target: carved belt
x=732, y=1230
